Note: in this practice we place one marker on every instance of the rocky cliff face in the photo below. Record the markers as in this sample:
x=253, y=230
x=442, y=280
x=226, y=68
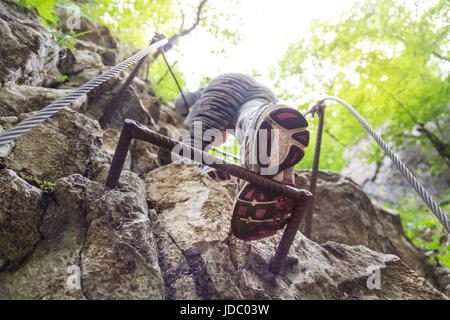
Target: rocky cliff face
x=164, y=233
x=178, y=247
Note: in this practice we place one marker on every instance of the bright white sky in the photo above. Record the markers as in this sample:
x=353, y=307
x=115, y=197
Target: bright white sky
x=268, y=27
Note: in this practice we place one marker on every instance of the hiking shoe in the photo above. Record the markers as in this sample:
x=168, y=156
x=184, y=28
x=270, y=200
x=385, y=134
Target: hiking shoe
x=272, y=148
x=275, y=139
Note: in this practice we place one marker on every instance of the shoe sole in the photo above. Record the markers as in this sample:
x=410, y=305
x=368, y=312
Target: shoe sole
x=256, y=215
x=278, y=123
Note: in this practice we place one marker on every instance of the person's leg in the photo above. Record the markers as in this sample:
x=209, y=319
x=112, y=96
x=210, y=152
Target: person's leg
x=216, y=107
x=214, y=112
x=272, y=138
x=186, y=100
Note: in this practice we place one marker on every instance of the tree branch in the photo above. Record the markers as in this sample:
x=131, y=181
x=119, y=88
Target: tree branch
x=197, y=21
x=182, y=17
x=434, y=53
x=165, y=74
x=174, y=39
x=441, y=147
x=401, y=105
x=332, y=136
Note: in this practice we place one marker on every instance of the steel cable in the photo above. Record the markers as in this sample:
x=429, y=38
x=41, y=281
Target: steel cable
x=426, y=197
x=13, y=133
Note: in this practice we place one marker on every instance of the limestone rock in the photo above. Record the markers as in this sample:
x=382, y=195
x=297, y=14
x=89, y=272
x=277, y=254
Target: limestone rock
x=8, y=122
x=144, y=157
x=80, y=78
x=58, y=147
x=399, y=244
x=100, y=35
x=153, y=105
x=110, y=57
x=15, y=99
x=22, y=206
x=104, y=236
x=140, y=87
x=442, y=275
x=98, y=164
x=110, y=139
x=25, y=46
x=164, y=155
x=73, y=62
x=130, y=108
x=170, y=117
x=5, y=124
x=87, y=45
x=201, y=259
x=120, y=246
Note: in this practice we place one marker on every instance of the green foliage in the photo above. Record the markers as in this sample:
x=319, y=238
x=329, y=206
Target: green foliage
x=61, y=78
x=382, y=57
x=424, y=229
x=231, y=146
x=331, y=149
x=44, y=8
x=389, y=59
x=163, y=83
x=67, y=40
x=46, y=186
x=134, y=21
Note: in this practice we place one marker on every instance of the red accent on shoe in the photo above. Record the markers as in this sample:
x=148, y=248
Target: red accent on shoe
x=295, y=157
x=212, y=174
x=288, y=182
x=242, y=211
x=287, y=204
x=260, y=213
x=249, y=195
x=286, y=115
x=271, y=209
x=277, y=211
x=289, y=118
x=302, y=137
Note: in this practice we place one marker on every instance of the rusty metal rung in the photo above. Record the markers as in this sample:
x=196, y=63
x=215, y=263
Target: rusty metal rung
x=132, y=129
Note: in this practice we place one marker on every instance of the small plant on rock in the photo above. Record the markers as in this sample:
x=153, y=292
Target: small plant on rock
x=46, y=186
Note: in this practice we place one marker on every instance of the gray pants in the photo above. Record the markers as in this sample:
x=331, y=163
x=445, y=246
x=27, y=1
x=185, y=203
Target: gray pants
x=228, y=102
